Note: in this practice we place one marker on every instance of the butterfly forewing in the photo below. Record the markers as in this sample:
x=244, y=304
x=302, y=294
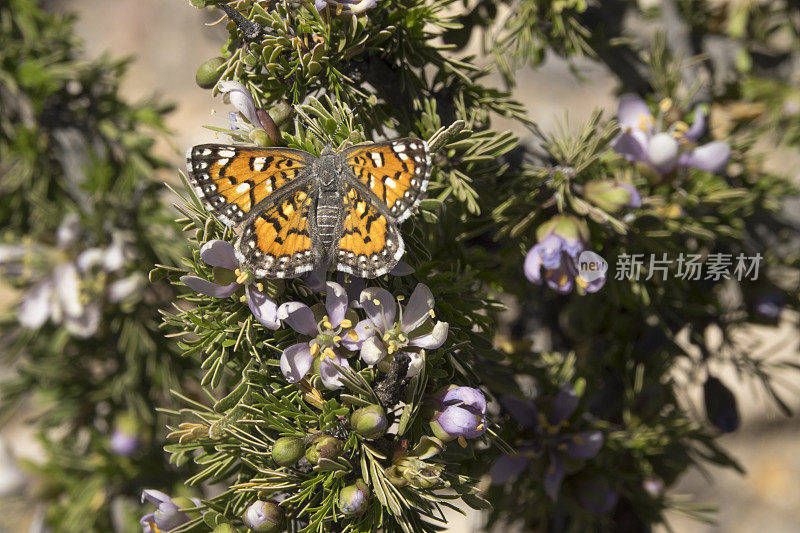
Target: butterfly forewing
x=371, y=244
x=233, y=180
x=279, y=242
x=397, y=172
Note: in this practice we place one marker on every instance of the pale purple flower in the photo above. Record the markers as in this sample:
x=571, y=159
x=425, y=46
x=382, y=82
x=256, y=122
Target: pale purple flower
x=221, y=255
x=351, y=7
x=168, y=515
x=242, y=100
x=355, y=285
x=326, y=338
x=770, y=306
x=554, y=261
x=63, y=294
x=125, y=444
x=549, y=441
x=391, y=328
x=642, y=140
x=459, y=412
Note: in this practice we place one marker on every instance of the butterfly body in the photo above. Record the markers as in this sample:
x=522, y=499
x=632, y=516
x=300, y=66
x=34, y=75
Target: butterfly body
x=295, y=212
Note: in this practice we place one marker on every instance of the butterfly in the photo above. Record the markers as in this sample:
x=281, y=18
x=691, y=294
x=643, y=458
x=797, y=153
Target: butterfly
x=295, y=212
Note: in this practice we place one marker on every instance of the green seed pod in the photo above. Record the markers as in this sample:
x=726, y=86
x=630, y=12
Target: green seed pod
x=208, y=74
x=370, y=422
x=264, y=517
x=326, y=447
x=225, y=528
x=354, y=499
x=287, y=451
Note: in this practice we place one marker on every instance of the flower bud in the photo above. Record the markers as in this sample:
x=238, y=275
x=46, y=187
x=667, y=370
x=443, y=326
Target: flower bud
x=354, y=499
x=611, y=196
x=567, y=227
x=209, y=72
x=720, y=405
x=370, y=422
x=225, y=528
x=261, y=138
x=287, y=451
x=324, y=447
x=125, y=444
x=264, y=517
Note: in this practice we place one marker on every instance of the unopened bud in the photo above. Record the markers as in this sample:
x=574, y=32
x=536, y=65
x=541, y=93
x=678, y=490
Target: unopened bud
x=370, y=422
x=264, y=517
x=209, y=72
x=287, y=451
x=354, y=499
x=261, y=138
x=325, y=447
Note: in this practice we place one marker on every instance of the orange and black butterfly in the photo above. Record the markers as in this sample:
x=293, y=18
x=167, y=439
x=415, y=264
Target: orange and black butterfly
x=296, y=212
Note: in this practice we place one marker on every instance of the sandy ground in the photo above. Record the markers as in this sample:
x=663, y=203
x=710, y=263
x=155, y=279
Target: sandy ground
x=168, y=40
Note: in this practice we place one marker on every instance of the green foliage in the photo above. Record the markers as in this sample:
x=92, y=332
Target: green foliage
x=73, y=150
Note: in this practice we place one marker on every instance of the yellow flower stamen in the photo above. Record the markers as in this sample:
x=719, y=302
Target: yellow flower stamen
x=328, y=353
x=346, y=323
x=326, y=323
x=681, y=126
x=336, y=338
x=241, y=277
x=462, y=441
x=376, y=301
x=353, y=335
x=665, y=105
x=401, y=298
x=314, y=349
x=432, y=314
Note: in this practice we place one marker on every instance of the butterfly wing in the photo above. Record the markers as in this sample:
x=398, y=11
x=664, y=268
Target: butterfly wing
x=232, y=180
x=280, y=241
x=396, y=172
x=371, y=244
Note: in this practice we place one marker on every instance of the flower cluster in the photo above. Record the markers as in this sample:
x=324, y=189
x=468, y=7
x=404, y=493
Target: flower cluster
x=70, y=283
x=554, y=258
x=329, y=332
x=546, y=438
x=645, y=139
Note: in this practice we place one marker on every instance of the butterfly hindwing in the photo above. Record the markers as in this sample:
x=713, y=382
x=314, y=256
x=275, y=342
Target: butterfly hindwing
x=396, y=172
x=371, y=244
x=279, y=241
x=232, y=180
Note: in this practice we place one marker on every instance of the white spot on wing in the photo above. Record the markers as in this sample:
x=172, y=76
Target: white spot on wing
x=391, y=183
x=226, y=153
x=243, y=188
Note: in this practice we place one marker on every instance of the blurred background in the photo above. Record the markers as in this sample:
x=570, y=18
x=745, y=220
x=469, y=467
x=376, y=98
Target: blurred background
x=167, y=40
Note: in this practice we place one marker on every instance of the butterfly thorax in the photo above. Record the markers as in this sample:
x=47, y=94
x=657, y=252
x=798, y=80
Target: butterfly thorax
x=327, y=170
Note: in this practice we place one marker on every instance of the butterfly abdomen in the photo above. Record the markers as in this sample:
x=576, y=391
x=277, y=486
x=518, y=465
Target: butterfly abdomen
x=329, y=207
